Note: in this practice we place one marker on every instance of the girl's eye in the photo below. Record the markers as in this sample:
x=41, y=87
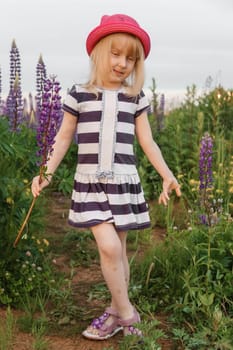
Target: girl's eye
x=131, y=58
x=115, y=53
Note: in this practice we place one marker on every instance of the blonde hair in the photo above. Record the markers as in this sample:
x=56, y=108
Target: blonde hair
x=100, y=63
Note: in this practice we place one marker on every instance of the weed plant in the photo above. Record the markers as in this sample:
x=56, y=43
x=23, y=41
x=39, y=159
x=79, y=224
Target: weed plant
x=7, y=331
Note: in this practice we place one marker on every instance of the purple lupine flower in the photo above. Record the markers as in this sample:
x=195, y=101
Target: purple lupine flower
x=15, y=65
x=49, y=120
x=205, y=162
x=160, y=113
x=14, y=103
x=14, y=106
x=48, y=124
x=207, y=217
x=41, y=76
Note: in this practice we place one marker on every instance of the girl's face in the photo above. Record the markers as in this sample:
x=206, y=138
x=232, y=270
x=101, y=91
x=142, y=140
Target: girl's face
x=122, y=59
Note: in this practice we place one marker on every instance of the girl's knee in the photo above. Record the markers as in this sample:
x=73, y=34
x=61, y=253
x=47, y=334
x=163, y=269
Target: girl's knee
x=111, y=250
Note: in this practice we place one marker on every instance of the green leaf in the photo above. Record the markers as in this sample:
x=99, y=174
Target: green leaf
x=206, y=299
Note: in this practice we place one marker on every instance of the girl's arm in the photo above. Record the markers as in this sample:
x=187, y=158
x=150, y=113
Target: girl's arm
x=154, y=155
x=63, y=140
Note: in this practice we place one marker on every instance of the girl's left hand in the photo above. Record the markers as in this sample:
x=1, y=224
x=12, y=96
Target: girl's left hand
x=169, y=185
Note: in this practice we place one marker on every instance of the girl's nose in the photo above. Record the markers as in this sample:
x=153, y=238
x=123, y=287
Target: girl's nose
x=122, y=61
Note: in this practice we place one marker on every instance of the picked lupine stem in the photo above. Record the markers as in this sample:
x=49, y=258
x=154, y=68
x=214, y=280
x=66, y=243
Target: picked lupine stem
x=49, y=122
x=19, y=235
x=24, y=223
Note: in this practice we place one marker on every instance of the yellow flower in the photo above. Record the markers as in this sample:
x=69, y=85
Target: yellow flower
x=28, y=191
x=46, y=242
x=193, y=182
x=9, y=200
x=38, y=241
x=219, y=191
x=179, y=176
x=25, y=181
x=231, y=189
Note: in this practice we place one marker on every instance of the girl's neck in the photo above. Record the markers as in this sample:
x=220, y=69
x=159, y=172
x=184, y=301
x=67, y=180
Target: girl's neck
x=109, y=87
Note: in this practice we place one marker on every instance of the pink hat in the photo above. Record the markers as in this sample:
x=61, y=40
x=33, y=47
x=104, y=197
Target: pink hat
x=117, y=24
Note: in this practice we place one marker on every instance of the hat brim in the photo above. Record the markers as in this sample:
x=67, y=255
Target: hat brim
x=103, y=30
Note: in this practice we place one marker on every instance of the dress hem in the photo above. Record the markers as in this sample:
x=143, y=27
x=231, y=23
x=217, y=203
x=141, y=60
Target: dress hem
x=118, y=227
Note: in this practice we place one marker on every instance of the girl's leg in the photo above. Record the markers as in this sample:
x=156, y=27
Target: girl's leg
x=114, y=265
x=123, y=237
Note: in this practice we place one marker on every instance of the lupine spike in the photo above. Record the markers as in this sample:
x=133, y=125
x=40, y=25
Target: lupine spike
x=41, y=76
x=14, y=103
x=48, y=124
x=160, y=113
x=206, y=178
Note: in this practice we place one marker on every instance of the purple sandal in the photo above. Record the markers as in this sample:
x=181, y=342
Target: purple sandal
x=128, y=327
x=98, y=330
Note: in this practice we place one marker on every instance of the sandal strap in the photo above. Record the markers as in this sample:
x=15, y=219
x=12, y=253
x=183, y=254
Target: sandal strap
x=98, y=322
x=130, y=321
x=111, y=311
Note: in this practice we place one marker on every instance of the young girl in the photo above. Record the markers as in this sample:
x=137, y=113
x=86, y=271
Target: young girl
x=107, y=197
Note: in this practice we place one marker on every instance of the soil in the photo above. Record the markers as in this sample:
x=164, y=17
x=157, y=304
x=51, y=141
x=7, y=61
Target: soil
x=68, y=336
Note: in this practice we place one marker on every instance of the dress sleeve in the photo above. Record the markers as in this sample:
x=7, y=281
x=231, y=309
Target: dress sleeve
x=71, y=103
x=143, y=104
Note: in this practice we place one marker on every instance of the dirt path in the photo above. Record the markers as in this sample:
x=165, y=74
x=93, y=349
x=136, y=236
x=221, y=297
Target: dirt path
x=69, y=337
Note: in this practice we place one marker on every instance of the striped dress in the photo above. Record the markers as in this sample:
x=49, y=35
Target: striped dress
x=106, y=186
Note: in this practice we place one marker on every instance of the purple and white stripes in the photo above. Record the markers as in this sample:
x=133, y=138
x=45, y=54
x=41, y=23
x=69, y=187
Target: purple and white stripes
x=107, y=187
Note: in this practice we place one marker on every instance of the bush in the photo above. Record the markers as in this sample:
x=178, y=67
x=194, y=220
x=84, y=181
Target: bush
x=22, y=269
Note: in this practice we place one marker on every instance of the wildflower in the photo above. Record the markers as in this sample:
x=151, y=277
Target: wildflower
x=205, y=162
x=28, y=192
x=46, y=242
x=39, y=268
x=193, y=182
x=160, y=113
x=9, y=200
x=209, y=206
x=38, y=241
x=28, y=253
x=49, y=120
x=29, y=279
x=48, y=124
x=41, y=76
x=14, y=103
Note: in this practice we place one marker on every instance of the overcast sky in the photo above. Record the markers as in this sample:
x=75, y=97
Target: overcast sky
x=191, y=39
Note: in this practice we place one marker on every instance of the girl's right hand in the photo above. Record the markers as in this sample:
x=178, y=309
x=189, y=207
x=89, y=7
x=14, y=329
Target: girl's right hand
x=38, y=186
